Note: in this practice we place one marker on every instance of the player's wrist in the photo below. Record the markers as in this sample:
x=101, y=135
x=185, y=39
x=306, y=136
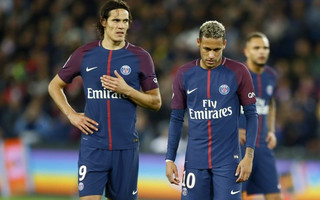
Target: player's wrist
x=129, y=91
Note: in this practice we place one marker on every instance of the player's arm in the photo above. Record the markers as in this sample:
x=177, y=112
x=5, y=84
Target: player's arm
x=79, y=120
x=245, y=166
x=150, y=99
x=175, y=128
x=271, y=137
x=242, y=127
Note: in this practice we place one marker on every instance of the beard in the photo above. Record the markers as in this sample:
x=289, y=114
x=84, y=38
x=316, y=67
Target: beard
x=260, y=64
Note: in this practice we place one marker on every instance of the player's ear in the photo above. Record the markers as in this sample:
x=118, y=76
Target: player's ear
x=245, y=51
x=198, y=42
x=103, y=22
x=224, y=44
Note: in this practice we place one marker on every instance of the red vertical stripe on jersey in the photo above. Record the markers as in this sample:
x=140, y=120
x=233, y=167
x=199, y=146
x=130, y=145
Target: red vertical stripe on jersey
x=209, y=122
x=108, y=104
x=259, y=117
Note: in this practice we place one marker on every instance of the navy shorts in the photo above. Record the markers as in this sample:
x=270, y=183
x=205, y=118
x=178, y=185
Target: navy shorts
x=115, y=172
x=264, y=177
x=208, y=184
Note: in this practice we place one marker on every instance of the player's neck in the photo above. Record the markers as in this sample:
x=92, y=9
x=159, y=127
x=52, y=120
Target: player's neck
x=204, y=66
x=109, y=44
x=257, y=69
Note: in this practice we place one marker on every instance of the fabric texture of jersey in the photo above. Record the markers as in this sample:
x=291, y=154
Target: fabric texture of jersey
x=264, y=177
x=115, y=113
x=264, y=85
x=212, y=100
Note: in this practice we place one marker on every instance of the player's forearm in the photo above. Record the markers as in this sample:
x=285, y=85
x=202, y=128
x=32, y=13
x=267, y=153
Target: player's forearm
x=150, y=99
x=249, y=153
x=175, y=129
x=55, y=90
x=251, y=125
x=272, y=116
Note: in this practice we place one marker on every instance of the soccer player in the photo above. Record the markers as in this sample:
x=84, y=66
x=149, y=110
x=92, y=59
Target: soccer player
x=264, y=178
x=211, y=90
x=113, y=72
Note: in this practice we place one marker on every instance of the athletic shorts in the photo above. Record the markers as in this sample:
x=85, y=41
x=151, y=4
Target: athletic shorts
x=115, y=172
x=264, y=177
x=211, y=184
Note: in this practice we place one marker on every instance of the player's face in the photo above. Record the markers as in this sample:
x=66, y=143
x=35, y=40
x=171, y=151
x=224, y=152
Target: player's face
x=211, y=51
x=116, y=26
x=257, y=51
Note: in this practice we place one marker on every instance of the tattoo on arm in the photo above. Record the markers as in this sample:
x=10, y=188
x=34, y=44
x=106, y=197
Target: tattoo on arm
x=249, y=152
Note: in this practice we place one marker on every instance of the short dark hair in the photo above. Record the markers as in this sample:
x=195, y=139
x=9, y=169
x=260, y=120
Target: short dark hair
x=255, y=35
x=105, y=13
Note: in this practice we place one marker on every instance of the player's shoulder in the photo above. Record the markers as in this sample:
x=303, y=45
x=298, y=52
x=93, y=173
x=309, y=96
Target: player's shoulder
x=271, y=71
x=234, y=65
x=88, y=46
x=185, y=67
x=136, y=49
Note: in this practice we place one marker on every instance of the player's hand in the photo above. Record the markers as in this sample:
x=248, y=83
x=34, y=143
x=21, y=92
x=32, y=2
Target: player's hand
x=83, y=123
x=116, y=84
x=245, y=166
x=271, y=140
x=242, y=136
x=172, y=173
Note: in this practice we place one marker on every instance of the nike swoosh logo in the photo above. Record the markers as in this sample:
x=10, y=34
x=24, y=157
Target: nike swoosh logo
x=234, y=192
x=190, y=91
x=134, y=192
x=89, y=69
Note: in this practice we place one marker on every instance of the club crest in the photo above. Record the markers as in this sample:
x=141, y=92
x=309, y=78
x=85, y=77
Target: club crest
x=224, y=89
x=125, y=70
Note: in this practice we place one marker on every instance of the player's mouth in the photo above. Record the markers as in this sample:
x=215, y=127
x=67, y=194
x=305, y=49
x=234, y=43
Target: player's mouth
x=211, y=62
x=120, y=34
x=262, y=58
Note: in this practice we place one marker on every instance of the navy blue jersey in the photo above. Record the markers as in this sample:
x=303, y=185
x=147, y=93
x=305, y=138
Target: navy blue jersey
x=115, y=113
x=264, y=86
x=212, y=99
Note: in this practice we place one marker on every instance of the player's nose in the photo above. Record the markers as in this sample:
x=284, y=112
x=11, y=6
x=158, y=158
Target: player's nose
x=211, y=54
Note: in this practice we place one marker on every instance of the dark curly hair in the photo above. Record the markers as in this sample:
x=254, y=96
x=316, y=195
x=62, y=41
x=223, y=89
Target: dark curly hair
x=105, y=13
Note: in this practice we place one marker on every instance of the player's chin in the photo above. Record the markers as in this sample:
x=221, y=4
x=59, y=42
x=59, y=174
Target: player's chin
x=210, y=64
x=261, y=62
x=119, y=38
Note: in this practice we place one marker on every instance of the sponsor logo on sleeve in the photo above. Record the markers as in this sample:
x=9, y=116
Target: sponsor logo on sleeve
x=155, y=80
x=251, y=95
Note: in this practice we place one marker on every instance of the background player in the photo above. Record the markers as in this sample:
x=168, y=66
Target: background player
x=113, y=71
x=211, y=89
x=264, y=178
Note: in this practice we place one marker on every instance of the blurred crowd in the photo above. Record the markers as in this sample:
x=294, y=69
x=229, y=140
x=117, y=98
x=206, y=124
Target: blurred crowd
x=38, y=36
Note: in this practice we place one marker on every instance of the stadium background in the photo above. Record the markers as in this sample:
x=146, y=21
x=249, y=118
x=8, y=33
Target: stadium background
x=37, y=37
